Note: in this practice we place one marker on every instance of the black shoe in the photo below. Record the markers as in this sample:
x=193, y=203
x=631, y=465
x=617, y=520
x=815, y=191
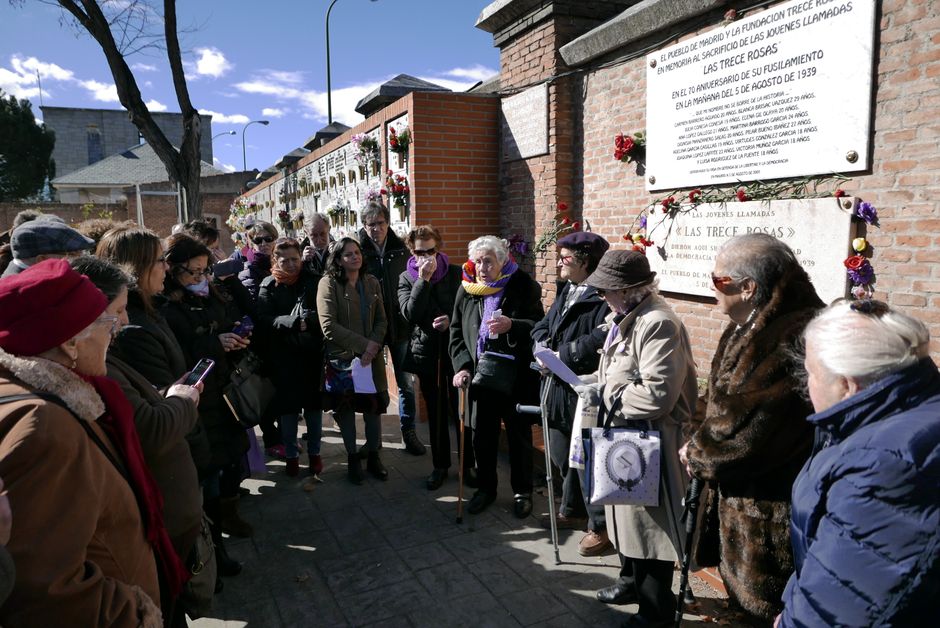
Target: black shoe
x=470, y=479
x=355, y=469
x=436, y=479
x=619, y=593
x=480, y=501
x=412, y=444
x=522, y=506
x=227, y=565
x=364, y=451
x=375, y=466
x=689, y=597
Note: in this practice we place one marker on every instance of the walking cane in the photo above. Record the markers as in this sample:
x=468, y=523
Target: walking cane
x=521, y=409
x=691, y=519
x=464, y=416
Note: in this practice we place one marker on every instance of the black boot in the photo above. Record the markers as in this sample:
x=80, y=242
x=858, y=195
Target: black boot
x=227, y=566
x=375, y=466
x=355, y=469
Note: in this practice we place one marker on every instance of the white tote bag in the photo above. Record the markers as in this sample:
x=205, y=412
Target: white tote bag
x=623, y=465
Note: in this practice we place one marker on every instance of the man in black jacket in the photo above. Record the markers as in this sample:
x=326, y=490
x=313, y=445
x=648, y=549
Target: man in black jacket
x=386, y=258
x=571, y=330
x=316, y=246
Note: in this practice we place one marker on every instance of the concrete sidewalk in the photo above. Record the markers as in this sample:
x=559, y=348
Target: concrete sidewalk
x=390, y=554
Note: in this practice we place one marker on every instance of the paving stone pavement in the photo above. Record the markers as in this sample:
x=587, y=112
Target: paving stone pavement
x=390, y=554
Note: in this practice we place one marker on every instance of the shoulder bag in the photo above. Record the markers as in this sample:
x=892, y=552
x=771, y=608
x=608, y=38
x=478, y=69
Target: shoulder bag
x=248, y=393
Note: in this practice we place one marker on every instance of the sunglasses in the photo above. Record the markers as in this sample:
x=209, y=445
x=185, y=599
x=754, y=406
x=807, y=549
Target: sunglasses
x=722, y=283
x=263, y=240
x=425, y=252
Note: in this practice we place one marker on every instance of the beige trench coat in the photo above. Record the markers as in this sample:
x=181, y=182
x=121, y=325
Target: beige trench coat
x=649, y=368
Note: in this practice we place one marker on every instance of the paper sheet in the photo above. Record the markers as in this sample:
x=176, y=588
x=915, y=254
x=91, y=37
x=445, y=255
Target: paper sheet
x=362, y=377
x=553, y=363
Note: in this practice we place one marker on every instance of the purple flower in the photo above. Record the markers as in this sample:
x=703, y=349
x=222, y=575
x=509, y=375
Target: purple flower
x=518, y=245
x=863, y=275
x=643, y=222
x=868, y=213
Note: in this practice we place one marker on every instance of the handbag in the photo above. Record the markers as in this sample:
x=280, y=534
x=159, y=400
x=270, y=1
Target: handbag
x=197, y=593
x=622, y=464
x=495, y=372
x=340, y=390
x=248, y=393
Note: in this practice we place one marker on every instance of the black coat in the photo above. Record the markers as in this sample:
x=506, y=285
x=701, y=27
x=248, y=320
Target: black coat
x=421, y=302
x=196, y=322
x=295, y=357
x=254, y=273
x=521, y=302
x=576, y=337
x=387, y=268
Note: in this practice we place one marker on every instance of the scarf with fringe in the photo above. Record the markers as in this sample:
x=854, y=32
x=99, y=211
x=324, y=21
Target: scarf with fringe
x=478, y=288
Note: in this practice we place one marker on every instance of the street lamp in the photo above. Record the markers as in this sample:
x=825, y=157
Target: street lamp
x=329, y=93
x=223, y=133
x=244, y=154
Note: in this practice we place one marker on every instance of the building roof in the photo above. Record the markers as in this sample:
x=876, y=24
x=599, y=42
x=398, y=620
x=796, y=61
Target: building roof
x=291, y=158
x=324, y=135
x=393, y=89
x=138, y=164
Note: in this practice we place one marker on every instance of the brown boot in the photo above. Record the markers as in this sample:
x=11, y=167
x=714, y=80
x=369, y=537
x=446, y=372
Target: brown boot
x=232, y=523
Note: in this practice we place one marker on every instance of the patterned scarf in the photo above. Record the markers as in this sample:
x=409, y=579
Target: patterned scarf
x=443, y=262
x=284, y=278
x=481, y=288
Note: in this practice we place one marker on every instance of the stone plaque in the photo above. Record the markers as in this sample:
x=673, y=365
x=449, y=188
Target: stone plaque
x=819, y=231
x=783, y=93
x=525, y=123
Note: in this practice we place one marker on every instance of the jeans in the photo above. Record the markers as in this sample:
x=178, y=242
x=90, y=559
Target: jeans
x=288, y=423
x=346, y=420
x=406, y=387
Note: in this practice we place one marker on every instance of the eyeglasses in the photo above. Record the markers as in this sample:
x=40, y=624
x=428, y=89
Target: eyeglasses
x=565, y=260
x=376, y=224
x=721, y=283
x=196, y=274
x=113, y=320
x=263, y=240
x=425, y=252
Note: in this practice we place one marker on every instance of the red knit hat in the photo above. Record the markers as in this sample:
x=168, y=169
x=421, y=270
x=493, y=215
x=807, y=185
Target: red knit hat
x=45, y=305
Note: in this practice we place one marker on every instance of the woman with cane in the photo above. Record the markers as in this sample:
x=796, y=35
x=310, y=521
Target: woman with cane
x=426, y=294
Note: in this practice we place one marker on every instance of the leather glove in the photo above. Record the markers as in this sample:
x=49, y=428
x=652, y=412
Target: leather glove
x=590, y=393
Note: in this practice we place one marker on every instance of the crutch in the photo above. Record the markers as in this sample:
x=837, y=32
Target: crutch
x=521, y=409
x=690, y=515
x=464, y=417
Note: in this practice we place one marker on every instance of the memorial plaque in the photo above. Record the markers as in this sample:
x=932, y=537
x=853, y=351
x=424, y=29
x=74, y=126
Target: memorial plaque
x=819, y=231
x=525, y=123
x=784, y=93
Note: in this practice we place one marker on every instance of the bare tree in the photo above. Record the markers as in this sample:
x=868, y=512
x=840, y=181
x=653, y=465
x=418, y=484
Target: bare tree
x=121, y=28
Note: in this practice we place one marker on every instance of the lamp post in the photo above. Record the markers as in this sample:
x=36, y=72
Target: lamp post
x=244, y=153
x=223, y=133
x=329, y=93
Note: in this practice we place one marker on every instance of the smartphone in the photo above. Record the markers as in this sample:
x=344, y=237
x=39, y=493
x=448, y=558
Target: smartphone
x=199, y=372
x=227, y=267
x=244, y=326
x=496, y=314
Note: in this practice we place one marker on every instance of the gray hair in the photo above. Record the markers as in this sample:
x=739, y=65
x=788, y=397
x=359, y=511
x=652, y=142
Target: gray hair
x=760, y=257
x=490, y=244
x=866, y=347
x=635, y=295
x=321, y=217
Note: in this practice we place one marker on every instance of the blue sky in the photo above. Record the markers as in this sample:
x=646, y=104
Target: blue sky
x=256, y=60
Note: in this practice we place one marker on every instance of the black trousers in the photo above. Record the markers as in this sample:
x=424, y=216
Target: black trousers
x=573, y=499
x=491, y=409
x=439, y=424
x=652, y=581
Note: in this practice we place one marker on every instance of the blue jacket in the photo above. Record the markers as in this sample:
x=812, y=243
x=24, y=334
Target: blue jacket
x=865, y=522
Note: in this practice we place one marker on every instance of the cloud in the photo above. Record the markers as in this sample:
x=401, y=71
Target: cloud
x=32, y=65
x=475, y=73
x=144, y=67
x=312, y=103
x=273, y=112
x=221, y=118
x=21, y=81
x=103, y=92
x=225, y=167
x=155, y=105
x=211, y=62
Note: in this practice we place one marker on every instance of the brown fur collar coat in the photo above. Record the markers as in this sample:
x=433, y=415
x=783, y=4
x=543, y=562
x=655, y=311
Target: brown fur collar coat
x=752, y=444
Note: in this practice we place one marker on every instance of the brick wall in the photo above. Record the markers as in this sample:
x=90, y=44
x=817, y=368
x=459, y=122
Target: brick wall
x=72, y=213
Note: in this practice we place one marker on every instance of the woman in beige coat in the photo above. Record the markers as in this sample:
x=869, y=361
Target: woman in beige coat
x=352, y=317
x=646, y=378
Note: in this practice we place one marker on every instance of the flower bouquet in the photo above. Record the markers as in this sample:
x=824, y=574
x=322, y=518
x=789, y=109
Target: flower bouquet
x=629, y=148
x=397, y=188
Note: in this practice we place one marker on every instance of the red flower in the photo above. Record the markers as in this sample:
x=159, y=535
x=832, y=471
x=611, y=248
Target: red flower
x=383, y=192
x=566, y=221
x=627, y=237
x=741, y=194
x=694, y=194
x=627, y=145
x=576, y=226
x=618, y=155
x=637, y=247
x=854, y=262
x=562, y=207
x=839, y=193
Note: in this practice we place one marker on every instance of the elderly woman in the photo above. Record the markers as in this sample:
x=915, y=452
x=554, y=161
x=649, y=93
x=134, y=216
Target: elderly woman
x=352, y=318
x=261, y=237
x=753, y=439
x=646, y=379
x=162, y=422
x=571, y=330
x=87, y=511
x=497, y=306
x=866, y=513
x=287, y=306
x=426, y=294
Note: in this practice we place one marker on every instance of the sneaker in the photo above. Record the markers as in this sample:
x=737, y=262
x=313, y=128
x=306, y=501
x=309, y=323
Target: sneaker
x=412, y=444
x=276, y=451
x=293, y=467
x=480, y=501
x=594, y=543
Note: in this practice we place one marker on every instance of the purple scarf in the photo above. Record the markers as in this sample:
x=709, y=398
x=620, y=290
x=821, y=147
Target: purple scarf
x=490, y=304
x=443, y=263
